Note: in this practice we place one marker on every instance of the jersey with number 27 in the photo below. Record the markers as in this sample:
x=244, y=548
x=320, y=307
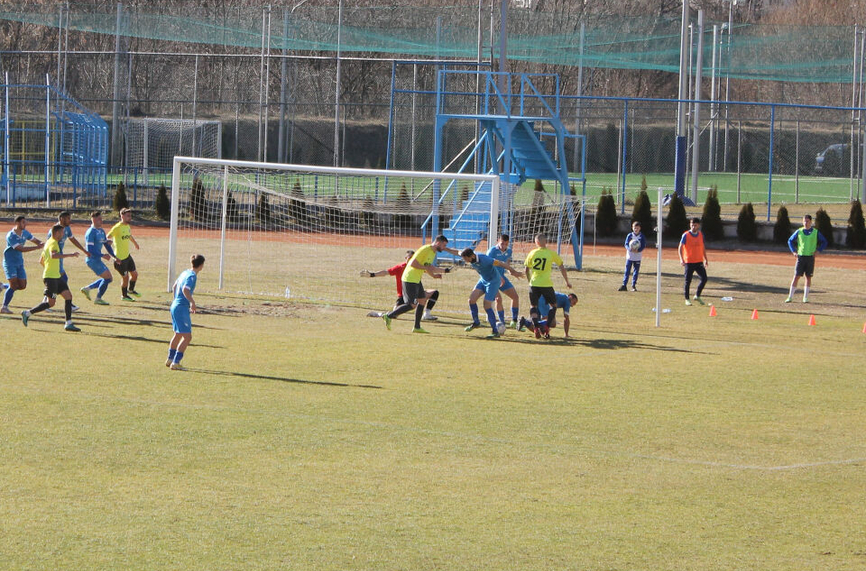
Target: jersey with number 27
x=540, y=261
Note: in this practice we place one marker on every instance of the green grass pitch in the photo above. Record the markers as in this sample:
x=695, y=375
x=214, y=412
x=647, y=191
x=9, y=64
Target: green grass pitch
x=306, y=436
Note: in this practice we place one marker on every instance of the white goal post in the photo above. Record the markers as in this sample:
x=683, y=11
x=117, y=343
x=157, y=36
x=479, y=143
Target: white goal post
x=309, y=233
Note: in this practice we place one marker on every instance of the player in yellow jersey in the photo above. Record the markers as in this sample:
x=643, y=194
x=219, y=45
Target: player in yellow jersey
x=539, y=265
x=54, y=284
x=121, y=235
x=414, y=295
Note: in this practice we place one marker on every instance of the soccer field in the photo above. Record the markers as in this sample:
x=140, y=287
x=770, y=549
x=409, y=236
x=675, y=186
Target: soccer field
x=307, y=436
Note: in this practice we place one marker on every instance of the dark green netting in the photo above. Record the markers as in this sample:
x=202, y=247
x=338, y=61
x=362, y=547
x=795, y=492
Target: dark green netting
x=785, y=53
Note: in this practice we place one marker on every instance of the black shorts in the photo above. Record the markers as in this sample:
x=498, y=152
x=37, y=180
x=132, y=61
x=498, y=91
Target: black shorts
x=123, y=267
x=536, y=293
x=412, y=292
x=54, y=287
x=805, y=266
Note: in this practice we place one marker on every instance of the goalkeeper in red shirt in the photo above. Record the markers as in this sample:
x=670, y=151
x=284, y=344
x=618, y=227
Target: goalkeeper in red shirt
x=397, y=272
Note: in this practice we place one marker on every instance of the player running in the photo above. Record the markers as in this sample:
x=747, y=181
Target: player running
x=65, y=220
x=121, y=235
x=397, y=272
x=502, y=251
x=182, y=305
x=539, y=265
x=54, y=284
x=414, y=295
x=564, y=302
x=488, y=286
x=13, y=259
x=96, y=239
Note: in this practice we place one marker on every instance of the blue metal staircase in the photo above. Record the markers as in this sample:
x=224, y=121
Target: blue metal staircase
x=511, y=145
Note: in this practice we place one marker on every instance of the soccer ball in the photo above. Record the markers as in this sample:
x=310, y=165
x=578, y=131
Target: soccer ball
x=500, y=328
x=634, y=245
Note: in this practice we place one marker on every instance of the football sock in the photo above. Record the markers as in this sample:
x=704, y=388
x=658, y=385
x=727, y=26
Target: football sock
x=792, y=291
x=419, y=313
x=8, y=297
x=95, y=284
x=515, y=313
x=551, y=315
x=41, y=307
x=430, y=302
x=124, y=291
x=67, y=307
x=178, y=355
x=502, y=316
x=491, y=318
x=806, y=292
x=533, y=314
x=473, y=309
x=171, y=354
x=131, y=285
x=102, y=287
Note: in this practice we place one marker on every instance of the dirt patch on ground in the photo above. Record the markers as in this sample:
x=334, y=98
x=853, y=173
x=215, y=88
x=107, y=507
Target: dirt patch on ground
x=290, y=310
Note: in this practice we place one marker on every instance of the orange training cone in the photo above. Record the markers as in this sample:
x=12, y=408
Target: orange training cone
x=864, y=328
x=811, y=320
x=712, y=311
x=754, y=314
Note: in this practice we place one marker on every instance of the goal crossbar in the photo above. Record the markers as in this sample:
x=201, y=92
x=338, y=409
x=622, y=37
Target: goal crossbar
x=221, y=168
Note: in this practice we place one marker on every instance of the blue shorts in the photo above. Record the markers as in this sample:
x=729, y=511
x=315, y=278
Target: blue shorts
x=180, y=320
x=490, y=289
x=96, y=265
x=506, y=284
x=13, y=271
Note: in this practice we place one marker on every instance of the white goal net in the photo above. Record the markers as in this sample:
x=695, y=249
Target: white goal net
x=152, y=144
x=308, y=233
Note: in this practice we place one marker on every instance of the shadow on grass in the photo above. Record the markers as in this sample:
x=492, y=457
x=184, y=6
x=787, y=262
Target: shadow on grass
x=602, y=344
x=160, y=341
x=280, y=379
x=722, y=283
x=104, y=321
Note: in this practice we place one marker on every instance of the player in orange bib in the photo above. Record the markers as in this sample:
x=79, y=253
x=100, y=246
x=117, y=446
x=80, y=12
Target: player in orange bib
x=693, y=257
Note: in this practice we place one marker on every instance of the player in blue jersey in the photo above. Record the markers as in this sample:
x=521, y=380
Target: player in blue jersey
x=488, y=286
x=502, y=252
x=96, y=240
x=13, y=259
x=182, y=305
x=564, y=302
x=65, y=220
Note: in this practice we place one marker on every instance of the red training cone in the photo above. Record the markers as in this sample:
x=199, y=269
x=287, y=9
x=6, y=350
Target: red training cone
x=754, y=314
x=811, y=320
x=712, y=311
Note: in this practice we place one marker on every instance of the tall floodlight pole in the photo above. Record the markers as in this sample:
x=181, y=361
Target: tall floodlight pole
x=503, y=45
x=696, y=120
x=731, y=4
x=115, y=106
x=713, y=108
x=337, y=90
x=680, y=158
x=478, y=81
x=281, y=136
x=503, y=36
